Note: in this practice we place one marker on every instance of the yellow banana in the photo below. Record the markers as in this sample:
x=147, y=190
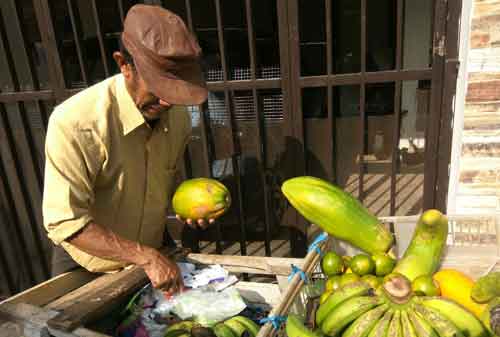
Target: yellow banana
x=365, y=323
x=381, y=327
x=395, y=325
x=406, y=326
x=422, y=328
x=443, y=326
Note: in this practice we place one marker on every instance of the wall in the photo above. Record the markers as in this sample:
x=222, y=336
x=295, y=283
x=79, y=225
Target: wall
x=479, y=167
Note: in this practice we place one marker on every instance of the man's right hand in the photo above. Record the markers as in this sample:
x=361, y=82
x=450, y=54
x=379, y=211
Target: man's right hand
x=163, y=273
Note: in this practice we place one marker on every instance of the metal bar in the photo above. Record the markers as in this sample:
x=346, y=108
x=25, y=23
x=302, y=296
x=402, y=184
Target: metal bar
x=102, y=47
x=12, y=97
x=46, y=28
x=261, y=154
x=432, y=128
x=362, y=101
x=189, y=15
x=232, y=124
x=397, y=104
x=121, y=11
x=329, y=69
x=244, y=84
x=76, y=35
x=24, y=191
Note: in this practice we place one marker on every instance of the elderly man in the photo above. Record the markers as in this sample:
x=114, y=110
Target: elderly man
x=112, y=151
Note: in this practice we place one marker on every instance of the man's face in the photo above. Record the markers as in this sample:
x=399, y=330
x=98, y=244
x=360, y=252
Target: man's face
x=150, y=106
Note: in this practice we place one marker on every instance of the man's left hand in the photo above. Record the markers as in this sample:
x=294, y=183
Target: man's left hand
x=195, y=224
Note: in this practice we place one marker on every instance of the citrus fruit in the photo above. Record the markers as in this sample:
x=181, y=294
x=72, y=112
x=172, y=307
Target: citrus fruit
x=372, y=280
x=332, y=264
x=333, y=283
x=324, y=296
x=425, y=286
x=384, y=264
x=362, y=265
x=348, y=278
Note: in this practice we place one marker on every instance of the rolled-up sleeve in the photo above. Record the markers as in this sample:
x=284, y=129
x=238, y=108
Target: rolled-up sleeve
x=70, y=169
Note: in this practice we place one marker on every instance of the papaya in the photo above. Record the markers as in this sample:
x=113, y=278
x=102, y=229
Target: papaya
x=337, y=213
x=423, y=255
x=201, y=198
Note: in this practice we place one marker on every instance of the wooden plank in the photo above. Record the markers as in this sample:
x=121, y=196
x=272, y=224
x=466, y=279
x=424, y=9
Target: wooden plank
x=52, y=289
x=259, y=293
x=32, y=321
x=100, y=295
x=248, y=264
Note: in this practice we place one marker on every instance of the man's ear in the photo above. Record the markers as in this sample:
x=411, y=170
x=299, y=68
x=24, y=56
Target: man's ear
x=125, y=68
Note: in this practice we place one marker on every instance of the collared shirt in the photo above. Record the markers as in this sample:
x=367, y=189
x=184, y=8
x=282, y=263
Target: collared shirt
x=105, y=164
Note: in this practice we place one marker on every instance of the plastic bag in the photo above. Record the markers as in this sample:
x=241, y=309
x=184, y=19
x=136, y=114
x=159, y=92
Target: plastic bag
x=204, y=305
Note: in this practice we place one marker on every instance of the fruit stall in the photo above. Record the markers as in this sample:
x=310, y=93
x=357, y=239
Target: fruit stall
x=363, y=276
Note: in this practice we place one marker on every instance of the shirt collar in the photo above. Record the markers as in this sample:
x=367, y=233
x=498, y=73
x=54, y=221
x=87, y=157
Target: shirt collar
x=130, y=117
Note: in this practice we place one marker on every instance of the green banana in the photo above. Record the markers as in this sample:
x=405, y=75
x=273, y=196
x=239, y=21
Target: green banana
x=221, y=330
x=178, y=333
x=178, y=328
x=381, y=327
x=464, y=320
x=347, y=312
x=295, y=328
x=350, y=290
x=237, y=328
x=406, y=326
x=250, y=325
x=443, y=326
x=395, y=325
x=422, y=328
x=365, y=323
x=486, y=288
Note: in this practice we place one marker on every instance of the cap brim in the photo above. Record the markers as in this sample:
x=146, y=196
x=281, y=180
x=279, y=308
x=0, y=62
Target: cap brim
x=185, y=87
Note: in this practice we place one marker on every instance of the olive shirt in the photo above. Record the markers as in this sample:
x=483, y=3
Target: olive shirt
x=104, y=164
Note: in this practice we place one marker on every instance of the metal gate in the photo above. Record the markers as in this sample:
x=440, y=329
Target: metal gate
x=356, y=92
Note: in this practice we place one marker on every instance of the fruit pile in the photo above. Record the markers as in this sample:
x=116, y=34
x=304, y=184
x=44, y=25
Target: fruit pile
x=376, y=295
x=234, y=327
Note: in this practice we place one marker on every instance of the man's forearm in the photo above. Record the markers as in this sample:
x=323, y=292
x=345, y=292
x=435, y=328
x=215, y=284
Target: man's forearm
x=97, y=240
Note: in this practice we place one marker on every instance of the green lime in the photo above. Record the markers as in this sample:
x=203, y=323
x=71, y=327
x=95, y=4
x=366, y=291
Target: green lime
x=333, y=283
x=325, y=296
x=332, y=264
x=362, y=265
x=372, y=280
x=348, y=278
x=425, y=286
x=384, y=264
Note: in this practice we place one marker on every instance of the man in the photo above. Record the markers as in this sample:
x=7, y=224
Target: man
x=112, y=152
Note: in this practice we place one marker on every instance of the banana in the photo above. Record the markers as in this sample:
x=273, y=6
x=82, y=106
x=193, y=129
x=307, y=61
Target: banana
x=406, y=326
x=464, y=320
x=381, y=327
x=422, y=328
x=443, y=326
x=237, y=328
x=395, y=325
x=221, y=330
x=178, y=333
x=491, y=317
x=295, y=328
x=365, y=323
x=347, y=312
x=348, y=291
x=250, y=325
x=178, y=328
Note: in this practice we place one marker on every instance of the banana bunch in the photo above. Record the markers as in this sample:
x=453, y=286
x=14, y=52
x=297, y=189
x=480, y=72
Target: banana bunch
x=233, y=327
x=357, y=310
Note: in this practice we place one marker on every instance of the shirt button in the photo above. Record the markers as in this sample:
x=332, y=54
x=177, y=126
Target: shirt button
x=165, y=129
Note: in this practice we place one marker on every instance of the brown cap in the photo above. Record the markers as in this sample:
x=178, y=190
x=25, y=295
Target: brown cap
x=165, y=53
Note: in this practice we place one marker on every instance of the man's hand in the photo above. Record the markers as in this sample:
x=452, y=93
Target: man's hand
x=163, y=273
x=195, y=224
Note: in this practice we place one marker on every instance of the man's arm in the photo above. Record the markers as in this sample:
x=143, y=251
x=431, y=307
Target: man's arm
x=99, y=241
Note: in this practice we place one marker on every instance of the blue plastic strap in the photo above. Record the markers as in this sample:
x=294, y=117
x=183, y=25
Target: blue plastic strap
x=296, y=270
x=315, y=244
x=276, y=321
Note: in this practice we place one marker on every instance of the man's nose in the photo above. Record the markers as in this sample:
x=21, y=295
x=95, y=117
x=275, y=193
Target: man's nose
x=162, y=102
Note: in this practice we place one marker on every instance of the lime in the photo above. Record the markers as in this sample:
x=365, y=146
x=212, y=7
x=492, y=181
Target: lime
x=384, y=264
x=348, y=278
x=324, y=296
x=425, y=286
x=333, y=283
x=332, y=264
x=372, y=280
x=362, y=265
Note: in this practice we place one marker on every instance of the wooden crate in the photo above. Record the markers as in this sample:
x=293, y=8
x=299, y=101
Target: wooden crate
x=65, y=306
